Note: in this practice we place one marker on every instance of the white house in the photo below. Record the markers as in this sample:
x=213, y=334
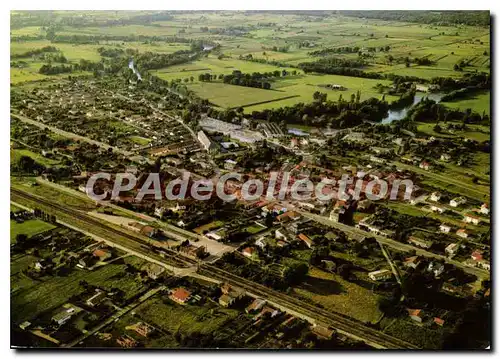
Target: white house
x=485, y=209
x=462, y=233
x=444, y=228
x=435, y=196
x=380, y=274
x=452, y=249
x=469, y=218
x=455, y=202
x=435, y=208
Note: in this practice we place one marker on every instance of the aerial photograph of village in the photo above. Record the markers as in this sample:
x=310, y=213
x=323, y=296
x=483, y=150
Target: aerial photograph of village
x=315, y=180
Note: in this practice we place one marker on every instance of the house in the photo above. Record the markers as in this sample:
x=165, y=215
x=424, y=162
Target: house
x=444, y=228
x=141, y=328
x=64, y=315
x=412, y=262
x=452, y=249
x=382, y=274
x=229, y=295
x=305, y=239
x=226, y=300
x=484, y=263
x=436, y=268
x=328, y=265
x=193, y=251
x=255, y=305
x=159, y=211
x=180, y=295
x=102, y=254
x=265, y=310
x=438, y=209
x=283, y=234
x=322, y=331
x=477, y=256
x=415, y=314
x=439, y=321
x=154, y=270
x=462, y=232
x=485, y=209
x=445, y=157
x=455, y=202
x=425, y=165
x=207, y=144
x=420, y=242
x=435, y=196
x=96, y=298
x=126, y=341
x=469, y=218
x=249, y=252
x=230, y=164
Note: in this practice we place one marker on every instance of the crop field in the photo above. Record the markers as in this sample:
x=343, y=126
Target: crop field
x=445, y=46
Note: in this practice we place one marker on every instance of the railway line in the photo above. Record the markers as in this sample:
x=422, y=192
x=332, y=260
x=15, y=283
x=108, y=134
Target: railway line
x=140, y=245
x=337, y=321
x=342, y=323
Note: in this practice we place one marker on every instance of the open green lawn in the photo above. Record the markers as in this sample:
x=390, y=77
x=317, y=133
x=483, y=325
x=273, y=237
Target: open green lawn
x=478, y=103
x=16, y=154
x=30, y=228
x=339, y=295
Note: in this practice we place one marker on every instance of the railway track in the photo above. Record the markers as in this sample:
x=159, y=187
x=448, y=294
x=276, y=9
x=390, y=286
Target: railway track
x=336, y=320
x=107, y=230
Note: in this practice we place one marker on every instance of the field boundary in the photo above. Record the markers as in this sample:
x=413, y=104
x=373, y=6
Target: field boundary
x=263, y=102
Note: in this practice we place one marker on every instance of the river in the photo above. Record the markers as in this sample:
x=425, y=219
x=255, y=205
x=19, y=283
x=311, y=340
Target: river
x=132, y=67
x=395, y=115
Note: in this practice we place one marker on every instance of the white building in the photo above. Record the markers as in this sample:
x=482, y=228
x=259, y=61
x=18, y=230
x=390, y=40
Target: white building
x=469, y=218
x=382, y=274
x=485, y=209
x=455, y=202
x=435, y=196
x=452, y=249
x=444, y=228
x=438, y=209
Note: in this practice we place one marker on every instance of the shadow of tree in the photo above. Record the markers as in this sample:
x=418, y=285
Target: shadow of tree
x=322, y=286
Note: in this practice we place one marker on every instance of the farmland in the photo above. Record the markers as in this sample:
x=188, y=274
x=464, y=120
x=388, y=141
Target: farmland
x=289, y=40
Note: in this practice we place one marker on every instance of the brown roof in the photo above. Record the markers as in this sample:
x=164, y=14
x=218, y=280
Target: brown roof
x=100, y=253
x=439, y=321
x=305, y=239
x=414, y=312
x=181, y=294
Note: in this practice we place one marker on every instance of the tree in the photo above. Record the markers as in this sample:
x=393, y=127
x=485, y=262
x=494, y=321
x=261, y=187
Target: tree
x=295, y=273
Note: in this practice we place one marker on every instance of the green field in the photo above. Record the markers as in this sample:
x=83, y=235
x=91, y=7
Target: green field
x=339, y=295
x=30, y=228
x=478, y=103
x=173, y=317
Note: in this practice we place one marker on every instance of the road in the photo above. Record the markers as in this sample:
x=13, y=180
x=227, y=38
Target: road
x=342, y=323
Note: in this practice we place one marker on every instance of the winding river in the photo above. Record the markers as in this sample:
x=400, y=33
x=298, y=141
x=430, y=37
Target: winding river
x=395, y=115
